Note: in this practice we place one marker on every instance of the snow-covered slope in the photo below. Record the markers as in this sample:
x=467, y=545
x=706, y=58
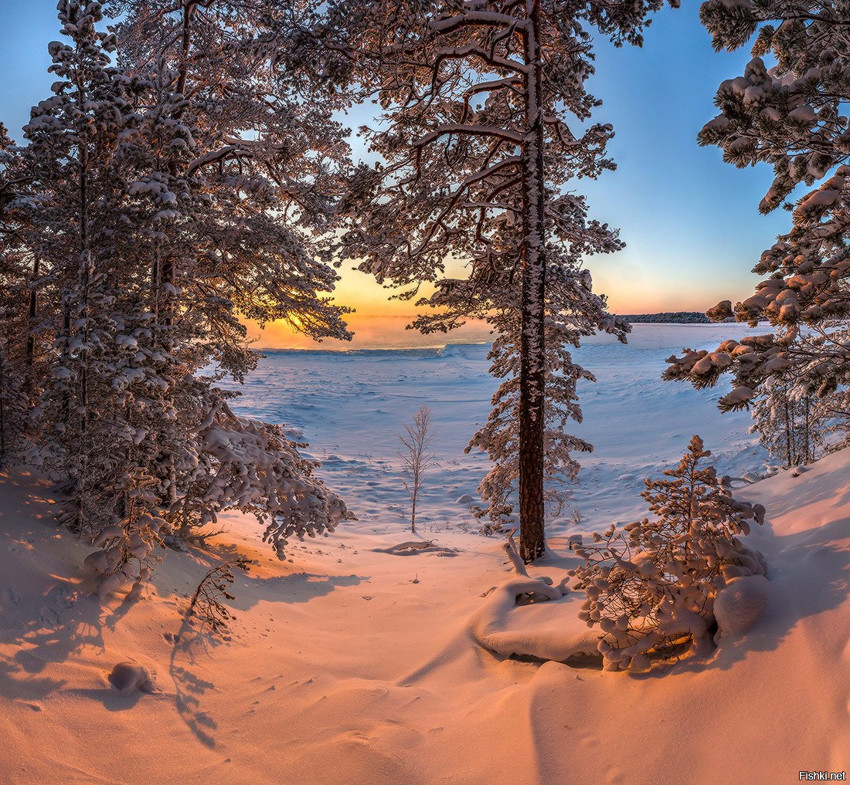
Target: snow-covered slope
x=354, y=665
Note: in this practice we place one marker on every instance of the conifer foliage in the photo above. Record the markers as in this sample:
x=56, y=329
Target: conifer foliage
x=650, y=585
x=170, y=185
x=792, y=116
x=485, y=121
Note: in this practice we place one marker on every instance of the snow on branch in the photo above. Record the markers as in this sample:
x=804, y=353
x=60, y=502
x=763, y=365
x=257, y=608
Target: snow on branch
x=251, y=466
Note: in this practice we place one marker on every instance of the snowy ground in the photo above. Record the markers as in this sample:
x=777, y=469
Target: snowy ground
x=349, y=665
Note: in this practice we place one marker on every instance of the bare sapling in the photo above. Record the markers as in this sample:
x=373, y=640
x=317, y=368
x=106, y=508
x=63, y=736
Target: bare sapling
x=207, y=603
x=416, y=456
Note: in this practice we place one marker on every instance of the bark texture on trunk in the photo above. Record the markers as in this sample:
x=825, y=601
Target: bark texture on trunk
x=532, y=544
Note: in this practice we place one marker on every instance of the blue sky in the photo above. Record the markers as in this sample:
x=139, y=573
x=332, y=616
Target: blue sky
x=690, y=221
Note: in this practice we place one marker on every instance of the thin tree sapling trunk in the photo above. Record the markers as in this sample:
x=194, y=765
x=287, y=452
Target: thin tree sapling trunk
x=416, y=456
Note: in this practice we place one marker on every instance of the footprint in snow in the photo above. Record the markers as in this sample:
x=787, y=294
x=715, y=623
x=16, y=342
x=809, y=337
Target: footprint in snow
x=62, y=595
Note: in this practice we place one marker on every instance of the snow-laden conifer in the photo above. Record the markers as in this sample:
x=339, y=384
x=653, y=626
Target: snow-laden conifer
x=791, y=425
x=485, y=121
x=66, y=219
x=170, y=190
x=240, y=172
x=650, y=585
x=15, y=397
x=69, y=228
x=792, y=116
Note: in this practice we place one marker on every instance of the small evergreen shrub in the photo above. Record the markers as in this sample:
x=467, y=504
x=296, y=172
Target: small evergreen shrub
x=650, y=585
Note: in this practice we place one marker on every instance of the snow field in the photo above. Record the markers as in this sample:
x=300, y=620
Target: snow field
x=353, y=664
x=351, y=406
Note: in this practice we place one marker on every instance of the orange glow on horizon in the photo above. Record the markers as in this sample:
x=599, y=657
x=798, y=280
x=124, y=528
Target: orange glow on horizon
x=380, y=322
x=370, y=332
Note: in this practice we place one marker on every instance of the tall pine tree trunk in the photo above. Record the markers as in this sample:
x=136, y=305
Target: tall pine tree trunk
x=84, y=277
x=532, y=339
x=789, y=456
x=3, y=375
x=809, y=451
x=33, y=312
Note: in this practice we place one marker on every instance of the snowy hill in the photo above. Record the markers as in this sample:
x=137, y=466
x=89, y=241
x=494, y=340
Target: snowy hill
x=352, y=664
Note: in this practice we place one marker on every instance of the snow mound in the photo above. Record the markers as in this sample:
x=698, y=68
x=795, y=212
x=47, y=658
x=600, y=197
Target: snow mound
x=552, y=632
x=128, y=677
x=739, y=604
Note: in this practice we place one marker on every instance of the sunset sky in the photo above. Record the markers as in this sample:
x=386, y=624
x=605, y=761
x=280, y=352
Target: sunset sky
x=690, y=221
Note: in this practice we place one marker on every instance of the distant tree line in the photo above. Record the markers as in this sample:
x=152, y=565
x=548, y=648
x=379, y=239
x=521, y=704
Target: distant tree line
x=667, y=317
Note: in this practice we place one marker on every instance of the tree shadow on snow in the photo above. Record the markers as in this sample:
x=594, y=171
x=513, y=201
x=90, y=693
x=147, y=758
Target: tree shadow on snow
x=190, y=645
x=51, y=635
x=112, y=699
x=44, y=618
x=294, y=588
x=249, y=588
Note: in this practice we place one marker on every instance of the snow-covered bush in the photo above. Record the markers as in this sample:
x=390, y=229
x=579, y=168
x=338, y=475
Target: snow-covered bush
x=650, y=585
x=251, y=466
x=125, y=533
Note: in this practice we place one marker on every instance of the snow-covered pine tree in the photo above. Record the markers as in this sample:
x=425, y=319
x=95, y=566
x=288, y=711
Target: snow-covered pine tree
x=263, y=159
x=793, y=117
x=567, y=306
x=14, y=400
x=64, y=224
x=792, y=428
x=772, y=376
x=477, y=147
x=150, y=226
x=650, y=585
x=240, y=180
x=68, y=221
x=14, y=302
x=20, y=279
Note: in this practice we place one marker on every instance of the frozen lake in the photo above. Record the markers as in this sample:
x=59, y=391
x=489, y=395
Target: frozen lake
x=351, y=406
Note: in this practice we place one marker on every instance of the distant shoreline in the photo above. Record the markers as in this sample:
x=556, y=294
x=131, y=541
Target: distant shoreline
x=667, y=317
x=338, y=347
x=430, y=348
